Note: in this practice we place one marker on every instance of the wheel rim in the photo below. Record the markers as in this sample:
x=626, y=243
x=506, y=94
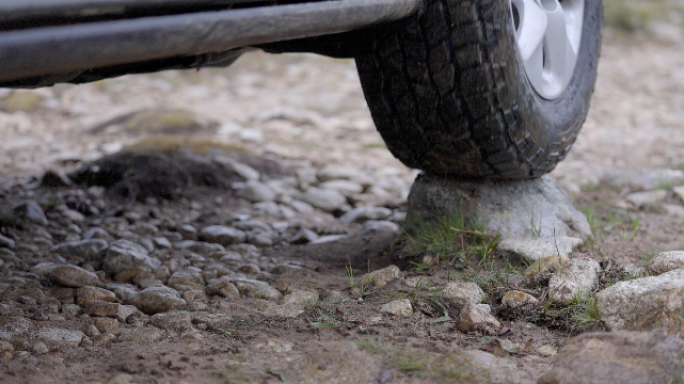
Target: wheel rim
x=548, y=35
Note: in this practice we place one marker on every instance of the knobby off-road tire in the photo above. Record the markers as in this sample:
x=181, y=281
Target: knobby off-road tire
x=448, y=92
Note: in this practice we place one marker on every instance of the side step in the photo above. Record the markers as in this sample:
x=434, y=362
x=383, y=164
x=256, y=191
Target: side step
x=44, y=51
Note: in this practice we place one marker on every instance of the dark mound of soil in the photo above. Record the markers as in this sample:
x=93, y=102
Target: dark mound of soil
x=134, y=175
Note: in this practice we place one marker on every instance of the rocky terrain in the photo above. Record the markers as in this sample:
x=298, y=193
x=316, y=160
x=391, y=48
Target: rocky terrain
x=248, y=225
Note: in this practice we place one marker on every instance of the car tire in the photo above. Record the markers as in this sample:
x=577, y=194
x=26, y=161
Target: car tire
x=449, y=92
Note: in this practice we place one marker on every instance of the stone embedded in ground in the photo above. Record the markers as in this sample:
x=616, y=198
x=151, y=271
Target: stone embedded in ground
x=517, y=298
x=546, y=264
x=59, y=337
x=679, y=191
x=177, y=321
x=30, y=210
x=645, y=198
x=665, y=262
x=158, y=299
x=336, y=172
x=381, y=277
x=107, y=325
x=223, y=287
x=73, y=276
x=199, y=247
x=399, y=308
x=646, y=179
x=257, y=192
x=345, y=187
x=363, y=214
x=535, y=249
x=474, y=319
x=340, y=362
x=646, y=304
x=324, y=199
x=381, y=226
x=223, y=235
x=109, y=309
x=274, y=346
x=6, y=242
x=124, y=255
x=513, y=208
x=301, y=297
x=618, y=357
x=87, y=249
x=577, y=278
x=256, y=289
x=87, y=294
x=11, y=326
x=188, y=278
x=289, y=311
x=463, y=293
x=146, y=334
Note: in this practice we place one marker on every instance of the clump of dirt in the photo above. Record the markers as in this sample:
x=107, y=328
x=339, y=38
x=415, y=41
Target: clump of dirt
x=141, y=175
x=165, y=166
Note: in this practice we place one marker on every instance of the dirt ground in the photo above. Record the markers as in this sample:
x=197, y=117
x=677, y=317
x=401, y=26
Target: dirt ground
x=294, y=112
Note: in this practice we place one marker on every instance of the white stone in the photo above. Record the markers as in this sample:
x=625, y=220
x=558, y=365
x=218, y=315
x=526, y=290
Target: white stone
x=241, y=169
x=679, y=191
x=399, y=308
x=256, y=192
x=223, y=235
x=325, y=199
x=301, y=297
x=649, y=304
x=363, y=214
x=463, y=292
x=535, y=249
x=641, y=199
x=379, y=226
x=473, y=318
x=346, y=187
x=578, y=277
x=665, y=262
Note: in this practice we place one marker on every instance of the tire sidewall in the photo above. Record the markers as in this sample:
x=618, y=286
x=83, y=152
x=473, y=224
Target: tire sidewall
x=559, y=120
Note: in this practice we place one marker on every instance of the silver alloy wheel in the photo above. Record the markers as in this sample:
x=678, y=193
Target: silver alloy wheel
x=548, y=35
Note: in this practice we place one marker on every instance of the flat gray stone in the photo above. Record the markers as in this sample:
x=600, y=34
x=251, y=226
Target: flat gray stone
x=363, y=214
x=123, y=255
x=256, y=289
x=140, y=334
x=178, y=321
x=324, y=199
x=158, y=299
x=60, y=336
x=618, y=357
x=73, y=276
x=645, y=198
x=257, y=192
x=223, y=235
x=345, y=187
x=199, y=247
x=535, y=249
x=88, y=249
x=642, y=178
x=513, y=208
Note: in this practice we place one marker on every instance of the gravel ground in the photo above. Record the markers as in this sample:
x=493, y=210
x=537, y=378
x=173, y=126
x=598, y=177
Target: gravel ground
x=279, y=263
